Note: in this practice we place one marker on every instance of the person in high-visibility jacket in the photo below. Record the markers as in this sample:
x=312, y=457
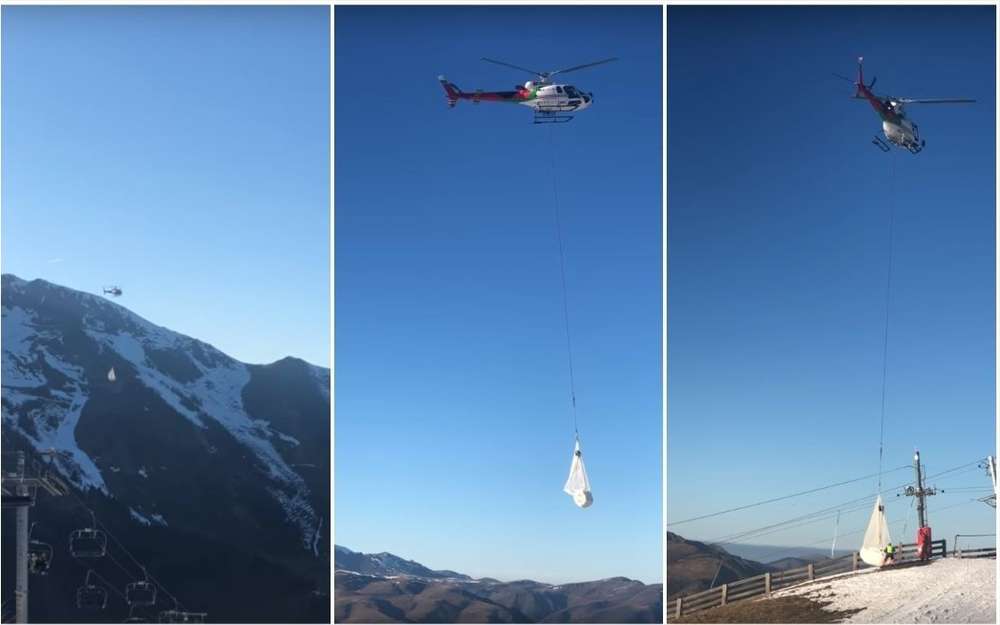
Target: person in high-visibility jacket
x=889, y=556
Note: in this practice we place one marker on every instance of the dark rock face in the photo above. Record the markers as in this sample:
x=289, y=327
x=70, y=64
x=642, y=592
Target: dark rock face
x=213, y=473
x=395, y=590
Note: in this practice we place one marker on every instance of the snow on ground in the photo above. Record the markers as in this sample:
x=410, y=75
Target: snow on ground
x=949, y=590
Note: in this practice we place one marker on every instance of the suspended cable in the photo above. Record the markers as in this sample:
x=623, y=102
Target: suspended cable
x=562, y=276
x=818, y=515
x=854, y=533
x=149, y=576
x=885, y=332
x=109, y=585
x=782, y=498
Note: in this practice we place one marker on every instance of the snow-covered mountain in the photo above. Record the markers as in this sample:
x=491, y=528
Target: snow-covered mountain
x=386, y=565
x=182, y=438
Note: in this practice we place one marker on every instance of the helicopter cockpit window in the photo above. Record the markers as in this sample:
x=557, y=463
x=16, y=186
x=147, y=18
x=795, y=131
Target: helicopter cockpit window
x=559, y=89
x=571, y=92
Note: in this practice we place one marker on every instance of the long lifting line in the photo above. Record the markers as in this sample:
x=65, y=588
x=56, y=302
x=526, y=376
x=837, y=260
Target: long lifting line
x=885, y=333
x=562, y=276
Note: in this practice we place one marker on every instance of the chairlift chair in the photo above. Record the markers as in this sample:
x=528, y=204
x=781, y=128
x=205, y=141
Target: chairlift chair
x=179, y=616
x=140, y=594
x=90, y=596
x=88, y=543
x=132, y=618
x=39, y=557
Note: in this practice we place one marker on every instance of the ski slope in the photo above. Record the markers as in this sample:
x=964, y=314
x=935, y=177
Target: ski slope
x=949, y=590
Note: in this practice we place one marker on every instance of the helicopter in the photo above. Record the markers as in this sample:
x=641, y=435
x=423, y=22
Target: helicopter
x=551, y=102
x=896, y=126
x=113, y=291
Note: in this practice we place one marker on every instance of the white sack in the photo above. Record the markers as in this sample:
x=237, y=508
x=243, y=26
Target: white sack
x=577, y=484
x=876, y=536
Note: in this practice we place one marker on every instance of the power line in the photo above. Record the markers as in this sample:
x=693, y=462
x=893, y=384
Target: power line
x=760, y=503
x=825, y=512
x=853, y=533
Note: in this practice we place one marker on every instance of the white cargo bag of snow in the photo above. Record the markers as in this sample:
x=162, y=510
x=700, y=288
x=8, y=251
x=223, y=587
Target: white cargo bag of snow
x=876, y=536
x=578, y=485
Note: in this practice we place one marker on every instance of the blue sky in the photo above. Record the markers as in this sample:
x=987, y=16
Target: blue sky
x=182, y=153
x=453, y=426
x=777, y=248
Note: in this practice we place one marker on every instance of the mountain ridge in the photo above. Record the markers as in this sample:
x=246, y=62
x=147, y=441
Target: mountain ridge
x=430, y=596
x=186, y=444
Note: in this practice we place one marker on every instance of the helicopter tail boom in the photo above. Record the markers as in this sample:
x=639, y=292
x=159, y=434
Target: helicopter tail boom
x=452, y=92
x=860, y=84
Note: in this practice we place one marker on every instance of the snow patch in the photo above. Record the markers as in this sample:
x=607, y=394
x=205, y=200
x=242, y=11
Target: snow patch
x=53, y=414
x=949, y=590
x=152, y=519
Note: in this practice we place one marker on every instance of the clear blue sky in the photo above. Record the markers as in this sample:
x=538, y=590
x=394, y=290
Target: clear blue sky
x=182, y=153
x=453, y=423
x=778, y=225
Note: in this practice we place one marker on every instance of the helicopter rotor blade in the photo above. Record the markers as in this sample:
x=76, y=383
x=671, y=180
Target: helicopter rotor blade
x=842, y=77
x=576, y=67
x=935, y=100
x=523, y=69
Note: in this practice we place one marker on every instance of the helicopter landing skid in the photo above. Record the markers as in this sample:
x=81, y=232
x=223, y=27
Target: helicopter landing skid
x=916, y=148
x=542, y=117
x=880, y=144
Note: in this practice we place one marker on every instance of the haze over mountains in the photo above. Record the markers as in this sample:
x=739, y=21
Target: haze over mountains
x=212, y=472
x=384, y=588
x=693, y=566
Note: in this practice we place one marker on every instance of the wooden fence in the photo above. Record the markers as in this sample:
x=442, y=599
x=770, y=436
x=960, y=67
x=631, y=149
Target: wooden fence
x=978, y=552
x=764, y=585
x=984, y=552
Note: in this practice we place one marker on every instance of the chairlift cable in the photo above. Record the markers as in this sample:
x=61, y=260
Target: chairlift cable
x=121, y=566
x=562, y=275
x=123, y=548
x=107, y=584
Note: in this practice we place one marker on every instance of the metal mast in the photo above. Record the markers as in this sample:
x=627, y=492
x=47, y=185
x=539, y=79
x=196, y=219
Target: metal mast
x=919, y=491
x=19, y=492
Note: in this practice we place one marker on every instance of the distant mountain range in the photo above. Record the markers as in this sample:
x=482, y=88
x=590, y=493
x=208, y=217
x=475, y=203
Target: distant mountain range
x=769, y=554
x=384, y=588
x=213, y=473
x=692, y=566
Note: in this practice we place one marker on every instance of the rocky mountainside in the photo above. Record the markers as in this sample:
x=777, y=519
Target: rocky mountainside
x=212, y=472
x=426, y=596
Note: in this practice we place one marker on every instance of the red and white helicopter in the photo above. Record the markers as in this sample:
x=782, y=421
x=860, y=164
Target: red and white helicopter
x=551, y=102
x=896, y=126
